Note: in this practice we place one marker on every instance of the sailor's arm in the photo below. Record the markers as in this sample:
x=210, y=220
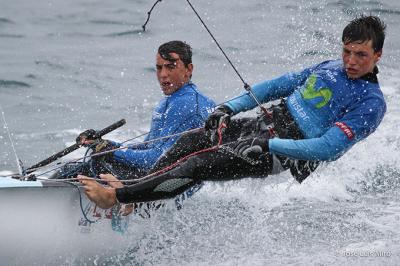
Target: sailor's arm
x=353, y=127
x=264, y=92
x=179, y=117
x=268, y=90
x=328, y=147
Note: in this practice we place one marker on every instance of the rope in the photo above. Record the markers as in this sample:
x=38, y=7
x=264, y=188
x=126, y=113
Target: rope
x=80, y=201
x=149, y=14
x=161, y=171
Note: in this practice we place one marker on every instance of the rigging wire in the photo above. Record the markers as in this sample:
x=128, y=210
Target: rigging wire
x=149, y=14
x=19, y=162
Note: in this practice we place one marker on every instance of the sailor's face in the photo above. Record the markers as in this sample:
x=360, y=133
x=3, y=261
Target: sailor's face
x=172, y=75
x=359, y=58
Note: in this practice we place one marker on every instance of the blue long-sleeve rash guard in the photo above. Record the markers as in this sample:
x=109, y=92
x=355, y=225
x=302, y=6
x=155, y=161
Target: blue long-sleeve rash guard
x=185, y=109
x=332, y=111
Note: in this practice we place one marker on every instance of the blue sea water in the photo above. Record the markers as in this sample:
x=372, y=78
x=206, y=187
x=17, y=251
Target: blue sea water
x=66, y=66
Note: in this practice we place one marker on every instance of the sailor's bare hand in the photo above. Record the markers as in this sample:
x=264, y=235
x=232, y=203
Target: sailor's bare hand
x=105, y=198
x=87, y=137
x=112, y=181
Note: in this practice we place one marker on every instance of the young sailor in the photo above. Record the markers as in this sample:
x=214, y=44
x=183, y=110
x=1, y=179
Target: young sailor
x=325, y=110
x=184, y=107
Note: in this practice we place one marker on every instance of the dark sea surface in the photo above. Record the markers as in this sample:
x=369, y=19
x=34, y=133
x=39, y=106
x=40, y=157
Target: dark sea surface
x=66, y=66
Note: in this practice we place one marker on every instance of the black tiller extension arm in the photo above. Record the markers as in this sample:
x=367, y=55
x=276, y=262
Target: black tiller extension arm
x=71, y=148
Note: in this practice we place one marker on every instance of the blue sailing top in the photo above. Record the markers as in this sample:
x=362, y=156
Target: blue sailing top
x=185, y=109
x=332, y=111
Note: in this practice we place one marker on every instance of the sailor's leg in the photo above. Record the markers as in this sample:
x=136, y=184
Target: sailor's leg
x=217, y=165
x=223, y=165
x=239, y=128
x=186, y=144
x=192, y=142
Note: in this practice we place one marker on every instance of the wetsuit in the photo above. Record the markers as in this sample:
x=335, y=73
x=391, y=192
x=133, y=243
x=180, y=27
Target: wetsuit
x=324, y=114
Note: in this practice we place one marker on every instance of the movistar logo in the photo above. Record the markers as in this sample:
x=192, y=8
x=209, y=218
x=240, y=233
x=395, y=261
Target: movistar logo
x=310, y=93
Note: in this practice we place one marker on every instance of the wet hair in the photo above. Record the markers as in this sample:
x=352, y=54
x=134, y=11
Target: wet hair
x=365, y=28
x=181, y=48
